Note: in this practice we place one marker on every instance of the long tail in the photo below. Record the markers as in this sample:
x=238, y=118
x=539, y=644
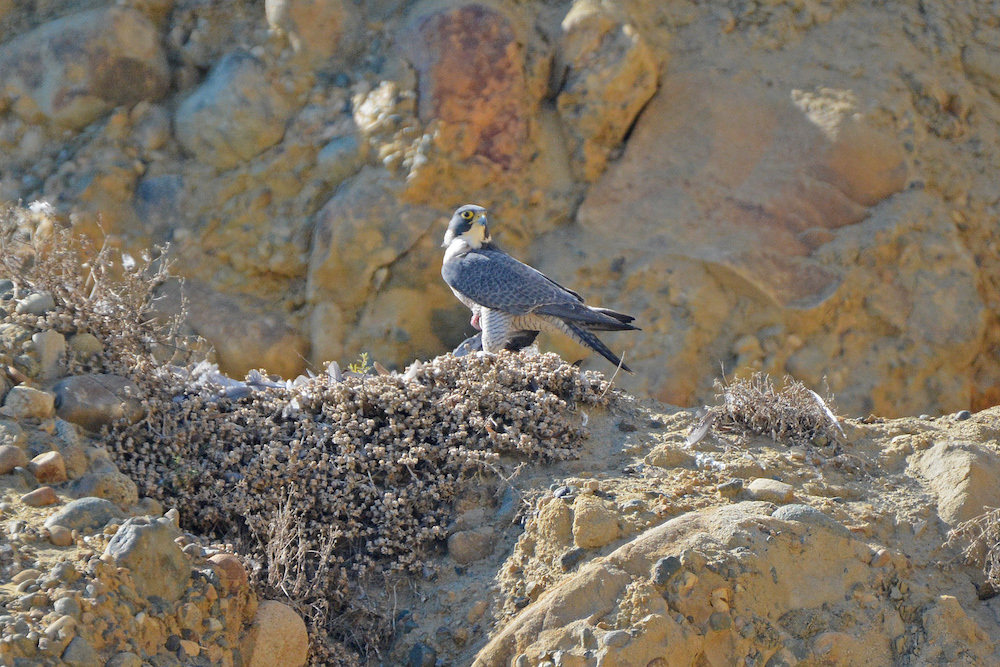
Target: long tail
x=594, y=343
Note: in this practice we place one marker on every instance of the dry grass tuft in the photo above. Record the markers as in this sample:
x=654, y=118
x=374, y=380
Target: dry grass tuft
x=981, y=537
x=793, y=414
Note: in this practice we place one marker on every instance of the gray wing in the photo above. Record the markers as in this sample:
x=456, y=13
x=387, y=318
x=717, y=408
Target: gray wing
x=494, y=279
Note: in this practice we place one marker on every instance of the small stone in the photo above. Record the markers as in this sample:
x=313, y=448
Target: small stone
x=43, y=496
x=28, y=403
x=235, y=573
x=60, y=537
x=61, y=624
x=962, y=415
x=719, y=621
x=569, y=559
x=67, y=606
x=881, y=558
x=48, y=468
x=85, y=345
x=29, y=574
x=422, y=655
x=616, y=639
x=81, y=654
x=98, y=400
x=37, y=303
x=109, y=484
x=771, y=490
x=277, y=637
x=147, y=548
x=664, y=569
x=467, y=546
x=11, y=456
x=26, y=476
x=85, y=515
x=50, y=346
x=731, y=488
x=190, y=649
x=125, y=659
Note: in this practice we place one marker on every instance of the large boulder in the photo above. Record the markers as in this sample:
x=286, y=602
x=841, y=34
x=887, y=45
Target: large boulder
x=73, y=70
x=236, y=114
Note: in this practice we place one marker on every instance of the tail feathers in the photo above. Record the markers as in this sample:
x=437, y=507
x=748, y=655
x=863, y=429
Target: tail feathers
x=621, y=317
x=594, y=343
x=596, y=319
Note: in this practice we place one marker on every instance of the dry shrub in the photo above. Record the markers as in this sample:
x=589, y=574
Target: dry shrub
x=96, y=291
x=981, y=537
x=793, y=414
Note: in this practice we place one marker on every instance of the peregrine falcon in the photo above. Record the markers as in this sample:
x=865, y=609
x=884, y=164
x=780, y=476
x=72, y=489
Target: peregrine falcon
x=510, y=301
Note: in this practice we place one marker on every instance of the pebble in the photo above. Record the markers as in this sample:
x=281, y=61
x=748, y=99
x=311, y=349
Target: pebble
x=86, y=515
x=962, y=415
x=26, y=476
x=50, y=346
x=48, y=468
x=43, y=496
x=616, y=639
x=29, y=574
x=770, y=490
x=664, y=569
x=236, y=574
x=278, y=637
x=146, y=547
x=719, y=621
x=37, y=303
x=125, y=659
x=881, y=558
x=28, y=403
x=60, y=537
x=79, y=653
x=11, y=456
x=422, y=655
x=730, y=488
x=467, y=546
x=569, y=559
x=67, y=606
x=85, y=345
x=98, y=400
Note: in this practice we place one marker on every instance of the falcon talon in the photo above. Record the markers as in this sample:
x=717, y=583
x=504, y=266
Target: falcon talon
x=510, y=301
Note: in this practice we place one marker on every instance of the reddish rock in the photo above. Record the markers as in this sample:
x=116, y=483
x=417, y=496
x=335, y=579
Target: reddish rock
x=48, y=468
x=40, y=497
x=236, y=574
x=471, y=76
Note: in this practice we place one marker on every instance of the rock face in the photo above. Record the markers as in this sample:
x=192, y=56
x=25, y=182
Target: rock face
x=610, y=75
x=798, y=190
x=73, y=70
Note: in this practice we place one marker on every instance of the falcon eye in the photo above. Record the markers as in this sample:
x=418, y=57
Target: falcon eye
x=467, y=215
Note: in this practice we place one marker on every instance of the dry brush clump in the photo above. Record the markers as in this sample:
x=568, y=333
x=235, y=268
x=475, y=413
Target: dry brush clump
x=95, y=291
x=981, y=539
x=793, y=413
x=342, y=479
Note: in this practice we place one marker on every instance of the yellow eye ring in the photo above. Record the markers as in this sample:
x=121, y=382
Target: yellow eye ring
x=467, y=215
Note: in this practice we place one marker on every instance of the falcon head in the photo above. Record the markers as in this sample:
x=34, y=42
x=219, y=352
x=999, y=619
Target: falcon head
x=470, y=225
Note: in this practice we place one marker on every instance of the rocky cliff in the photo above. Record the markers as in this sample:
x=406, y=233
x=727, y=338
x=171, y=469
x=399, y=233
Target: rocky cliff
x=802, y=188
